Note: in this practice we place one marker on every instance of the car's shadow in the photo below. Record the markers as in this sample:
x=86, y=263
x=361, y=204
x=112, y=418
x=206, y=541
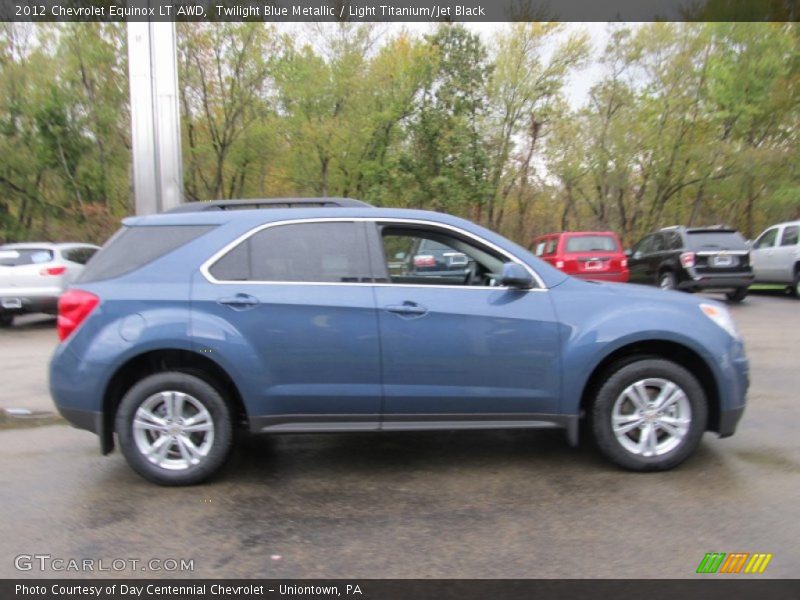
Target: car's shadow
x=265, y=459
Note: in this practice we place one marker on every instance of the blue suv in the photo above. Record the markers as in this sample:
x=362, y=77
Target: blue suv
x=190, y=325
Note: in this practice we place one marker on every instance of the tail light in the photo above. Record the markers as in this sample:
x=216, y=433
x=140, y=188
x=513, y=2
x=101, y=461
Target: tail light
x=623, y=263
x=559, y=264
x=424, y=260
x=73, y=308
x=687, y=259
x=53, y=271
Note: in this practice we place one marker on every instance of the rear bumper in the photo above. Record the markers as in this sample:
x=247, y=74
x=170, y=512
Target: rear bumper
x=77, y=389
x=727, y=281
x=89, y=420
x=30, y=300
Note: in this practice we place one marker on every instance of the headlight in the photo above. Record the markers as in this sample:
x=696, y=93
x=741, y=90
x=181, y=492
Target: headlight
x=721, y=317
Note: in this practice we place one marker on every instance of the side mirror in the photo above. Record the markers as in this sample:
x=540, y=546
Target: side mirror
x=516, y=276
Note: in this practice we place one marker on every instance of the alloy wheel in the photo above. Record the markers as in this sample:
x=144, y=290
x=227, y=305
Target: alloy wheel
x=651, y=417
x=173, y=430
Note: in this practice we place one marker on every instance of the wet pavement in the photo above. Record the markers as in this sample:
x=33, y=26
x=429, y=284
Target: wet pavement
x=454, y=504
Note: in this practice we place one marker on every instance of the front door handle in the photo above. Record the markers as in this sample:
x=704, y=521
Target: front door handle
x=407, y=309
x=239, y=301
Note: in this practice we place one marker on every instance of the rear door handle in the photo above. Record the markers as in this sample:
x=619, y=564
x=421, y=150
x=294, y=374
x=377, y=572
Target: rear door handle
x=239, y=301
x=407, y=309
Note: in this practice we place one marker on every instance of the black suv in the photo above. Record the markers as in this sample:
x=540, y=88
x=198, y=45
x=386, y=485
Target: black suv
x=693, y=259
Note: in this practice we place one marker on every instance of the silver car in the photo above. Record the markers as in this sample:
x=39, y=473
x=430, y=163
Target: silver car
x=33, y=276
x=775, y=256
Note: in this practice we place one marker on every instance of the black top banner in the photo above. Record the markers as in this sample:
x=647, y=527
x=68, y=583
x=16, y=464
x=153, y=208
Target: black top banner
x=399, y=10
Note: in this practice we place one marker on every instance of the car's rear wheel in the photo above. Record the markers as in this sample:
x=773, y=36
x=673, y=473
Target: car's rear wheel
x=174, y=428
x=737, y=295
x=649, y=415
x=6, y=320
x=667, y=281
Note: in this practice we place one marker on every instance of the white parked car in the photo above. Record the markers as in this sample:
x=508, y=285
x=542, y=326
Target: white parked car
x=33, y=276
x=775, y=256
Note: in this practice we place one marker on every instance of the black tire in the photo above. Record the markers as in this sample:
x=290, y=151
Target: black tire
x=198, y=390
x=619, y=378
x=737, y=295
x=6, y=320
x=667, y=280
x=794, y=289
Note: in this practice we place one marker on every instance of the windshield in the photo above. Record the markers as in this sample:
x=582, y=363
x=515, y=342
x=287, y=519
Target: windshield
x=712, y=240
x=592, y=243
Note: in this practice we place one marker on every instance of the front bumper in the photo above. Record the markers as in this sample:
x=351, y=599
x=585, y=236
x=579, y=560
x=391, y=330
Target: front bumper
x=618, y=277
x=728, y=420
x=733, y=390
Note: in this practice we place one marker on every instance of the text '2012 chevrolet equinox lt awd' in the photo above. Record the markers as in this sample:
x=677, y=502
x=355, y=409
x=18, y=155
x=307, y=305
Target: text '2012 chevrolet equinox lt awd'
x=313, y=317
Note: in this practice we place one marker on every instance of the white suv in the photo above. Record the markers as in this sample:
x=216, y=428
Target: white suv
x=775, y=256
x=34, y=275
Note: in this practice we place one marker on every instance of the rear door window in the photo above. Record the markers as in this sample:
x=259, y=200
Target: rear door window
x=17, y=257
x=333, y=252
x=133, y=247
x=790, y=235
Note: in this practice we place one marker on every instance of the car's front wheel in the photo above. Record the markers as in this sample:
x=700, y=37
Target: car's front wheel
x=794, y=289
x=649, y=415
x=174, y=428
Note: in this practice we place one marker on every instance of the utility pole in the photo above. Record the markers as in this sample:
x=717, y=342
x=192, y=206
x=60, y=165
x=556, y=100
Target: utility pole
x=155, y=116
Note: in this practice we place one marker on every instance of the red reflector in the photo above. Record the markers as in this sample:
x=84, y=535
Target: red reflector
x=687, y=259
x=73, y=308
x=53, y=271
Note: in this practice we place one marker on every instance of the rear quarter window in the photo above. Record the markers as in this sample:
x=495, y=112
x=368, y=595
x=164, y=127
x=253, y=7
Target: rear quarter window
x=79, y=255
x=133, y=247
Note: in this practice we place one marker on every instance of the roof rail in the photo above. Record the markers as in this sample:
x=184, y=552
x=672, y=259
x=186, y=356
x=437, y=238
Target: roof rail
x=251, y=203
x=715, y=227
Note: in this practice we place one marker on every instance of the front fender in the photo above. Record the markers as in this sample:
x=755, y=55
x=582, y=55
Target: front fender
x=598, y=325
